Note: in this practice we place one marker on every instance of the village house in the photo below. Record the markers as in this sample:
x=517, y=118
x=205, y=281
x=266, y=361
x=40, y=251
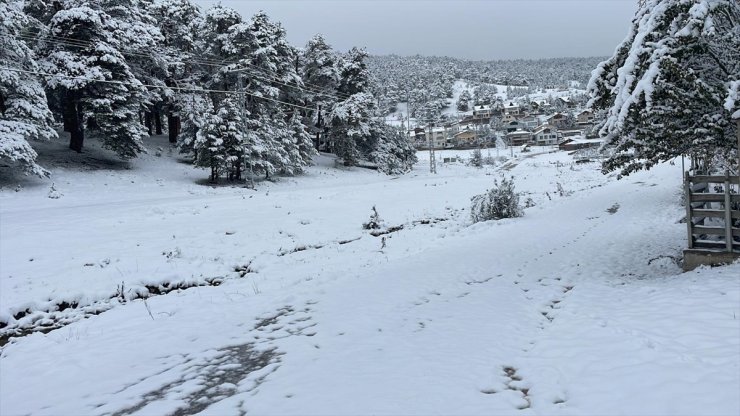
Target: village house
x=438, y=136
x=512, y=109
x=508, y=118
x=465, y=138
x=519, y=137
x=567, y=101
x=538, y=106
x=529, y=121
x=571, y=133
x=578, y=142
x=558, y=120
x=513, y=126
x=545, y=135
x=585, y=117
x=482, y=111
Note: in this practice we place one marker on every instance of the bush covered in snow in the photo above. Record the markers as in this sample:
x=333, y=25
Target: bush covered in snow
x=501, y=201
x=476, y=159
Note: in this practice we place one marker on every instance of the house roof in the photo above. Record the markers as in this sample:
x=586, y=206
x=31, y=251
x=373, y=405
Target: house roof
x=540, y=129
x=466, y=132
x=580, y=139
x=557, y=115
x=519, y=133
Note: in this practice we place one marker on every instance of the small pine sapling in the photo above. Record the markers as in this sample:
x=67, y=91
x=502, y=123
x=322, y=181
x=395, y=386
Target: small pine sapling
x=501, y=201
x=375, y=222
x=476, y=159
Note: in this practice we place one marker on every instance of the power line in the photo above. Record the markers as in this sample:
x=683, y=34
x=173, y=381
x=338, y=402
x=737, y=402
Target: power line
x=195, y=90
x=306, y=87
x=202, y=61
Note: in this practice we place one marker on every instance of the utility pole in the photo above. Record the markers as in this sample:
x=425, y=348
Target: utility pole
x=408, y=112
x=737, y=133
x=319, y=127
x=432, y=156
x=243, y=106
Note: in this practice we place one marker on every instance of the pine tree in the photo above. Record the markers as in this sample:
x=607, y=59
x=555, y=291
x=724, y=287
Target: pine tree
x=321, y=73
x=208, y=146
x=264, y=64
x=24, y=114
x=390, y=149
x=133, y=31
x=93, y=80
x=463, y=102
x=178, y=22
x=354, y=76
x=196, y=108
x=665, y=88
x=349, y=126
x=306, y=150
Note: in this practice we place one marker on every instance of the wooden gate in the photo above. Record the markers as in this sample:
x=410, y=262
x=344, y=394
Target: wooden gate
x=713, y=213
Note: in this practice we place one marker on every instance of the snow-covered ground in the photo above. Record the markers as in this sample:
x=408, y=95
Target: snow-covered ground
x=576, y=308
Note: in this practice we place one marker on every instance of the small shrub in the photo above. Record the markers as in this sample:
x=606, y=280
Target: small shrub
x=476, y=159
x=501, y=201
x=375, y=222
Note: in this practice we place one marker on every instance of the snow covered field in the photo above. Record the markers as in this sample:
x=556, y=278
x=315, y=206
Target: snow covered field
x=576, y=308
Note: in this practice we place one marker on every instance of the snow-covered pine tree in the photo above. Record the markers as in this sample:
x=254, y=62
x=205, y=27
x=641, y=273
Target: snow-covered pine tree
x=133, y=32
x=354, y=76
x=93, y=81
x=223, y=141
x=196, y=108
x=665, y=88
x=391, y=150
x=463, y=102
x=304, y=145
x=225, y=38
x=208, y=146
x=24, y=114
x=264, y=64
x=321, y=73
x=349, y=126
x=178, y=22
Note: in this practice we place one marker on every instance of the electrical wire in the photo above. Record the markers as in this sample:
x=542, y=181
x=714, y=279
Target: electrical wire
x=196, y=90
x=310, y=88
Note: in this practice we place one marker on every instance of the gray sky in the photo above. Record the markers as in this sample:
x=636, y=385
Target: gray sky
x=472, y=29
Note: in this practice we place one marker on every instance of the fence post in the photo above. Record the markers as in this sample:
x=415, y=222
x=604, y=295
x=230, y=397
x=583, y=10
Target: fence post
x=728, y=214
x=689, y=222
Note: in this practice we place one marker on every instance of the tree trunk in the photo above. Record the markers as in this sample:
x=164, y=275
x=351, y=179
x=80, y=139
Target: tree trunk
x=148, y=122
x=66, y=118
x=2, y=104
x=173, y=127
x=158, y=121
x=73, y=120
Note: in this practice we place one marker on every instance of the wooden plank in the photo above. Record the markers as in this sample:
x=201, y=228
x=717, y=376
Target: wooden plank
x=713, y=213
x=700, y=229
x=713, y=198
x=719, y=245
x=689, y=221
x=714, y=179
x=728, y=214
x=698, y=187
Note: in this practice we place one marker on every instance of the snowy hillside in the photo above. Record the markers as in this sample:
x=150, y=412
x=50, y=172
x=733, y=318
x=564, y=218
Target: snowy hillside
x=290, y=307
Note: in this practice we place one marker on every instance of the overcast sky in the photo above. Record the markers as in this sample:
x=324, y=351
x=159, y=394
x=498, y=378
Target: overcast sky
x=472, y=29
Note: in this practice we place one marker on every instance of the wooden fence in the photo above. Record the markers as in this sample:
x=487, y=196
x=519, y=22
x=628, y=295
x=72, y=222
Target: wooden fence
x=712, y=223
